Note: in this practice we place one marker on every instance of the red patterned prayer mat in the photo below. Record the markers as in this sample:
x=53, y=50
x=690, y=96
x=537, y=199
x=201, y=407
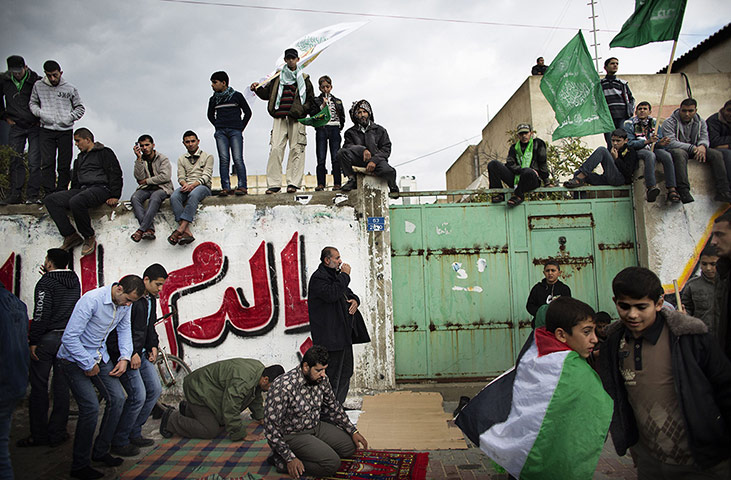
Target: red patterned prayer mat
x=189, y=459
x=381, y=465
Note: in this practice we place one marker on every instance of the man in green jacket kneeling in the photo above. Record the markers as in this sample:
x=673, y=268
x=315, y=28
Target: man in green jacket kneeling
x=215, y=396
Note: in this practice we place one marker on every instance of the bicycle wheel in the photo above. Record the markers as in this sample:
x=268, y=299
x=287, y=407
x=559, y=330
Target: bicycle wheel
x=171, y=379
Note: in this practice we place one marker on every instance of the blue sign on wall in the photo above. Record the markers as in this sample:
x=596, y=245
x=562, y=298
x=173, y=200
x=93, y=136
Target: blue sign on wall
x=376, y=224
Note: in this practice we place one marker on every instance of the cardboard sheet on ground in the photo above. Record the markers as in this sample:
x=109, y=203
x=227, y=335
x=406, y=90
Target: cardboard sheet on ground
x=408, y=421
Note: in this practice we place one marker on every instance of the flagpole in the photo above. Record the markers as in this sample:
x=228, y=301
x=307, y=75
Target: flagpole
x=665, y=89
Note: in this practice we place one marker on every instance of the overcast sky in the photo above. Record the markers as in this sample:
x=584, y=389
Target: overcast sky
x=144, y=66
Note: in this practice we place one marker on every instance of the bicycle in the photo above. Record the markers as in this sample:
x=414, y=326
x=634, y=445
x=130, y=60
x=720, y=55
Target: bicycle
x=172, y=371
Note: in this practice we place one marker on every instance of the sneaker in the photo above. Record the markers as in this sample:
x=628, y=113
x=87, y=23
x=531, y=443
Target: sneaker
x=89, y=246
x=108, y=460
x=128, y=450
x=86, y=473
x=164, y=423
x=686, y=197
x=352, y=184
x=71, y=241
x=142, y=442
x=652, y=194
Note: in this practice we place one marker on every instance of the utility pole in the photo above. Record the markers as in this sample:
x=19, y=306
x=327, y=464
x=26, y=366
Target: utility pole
x=593, y=30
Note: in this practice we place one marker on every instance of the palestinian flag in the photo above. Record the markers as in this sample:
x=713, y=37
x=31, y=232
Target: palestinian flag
x=546, y=418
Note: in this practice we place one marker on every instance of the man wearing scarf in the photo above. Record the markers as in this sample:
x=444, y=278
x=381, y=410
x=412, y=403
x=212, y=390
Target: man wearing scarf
x=224, y=112
x=366, y=145
x=526, y=166
x=290, y=97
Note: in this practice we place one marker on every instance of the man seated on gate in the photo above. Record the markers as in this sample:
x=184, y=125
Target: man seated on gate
x=307, y=428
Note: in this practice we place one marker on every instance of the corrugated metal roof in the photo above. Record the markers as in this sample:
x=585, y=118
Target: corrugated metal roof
x=701, y=48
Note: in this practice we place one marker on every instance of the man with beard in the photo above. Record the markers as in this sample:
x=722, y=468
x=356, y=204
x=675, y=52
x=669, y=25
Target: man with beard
x=366, y=145
x=307, y=429
x=721, y=240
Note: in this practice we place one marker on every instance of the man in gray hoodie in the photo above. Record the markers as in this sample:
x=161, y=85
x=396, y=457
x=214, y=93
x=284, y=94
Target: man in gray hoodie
x=688, y=136
x=58, y=105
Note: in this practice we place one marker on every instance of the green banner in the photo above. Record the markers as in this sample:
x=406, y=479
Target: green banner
x=319, y=119
x=652, y=21
x=571, y=86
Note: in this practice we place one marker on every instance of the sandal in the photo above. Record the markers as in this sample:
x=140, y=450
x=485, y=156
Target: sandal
x=149, y=235
x=174, y=237
x=272, y=190
x=673, y=196
x=185, y=239
x=137, y=236
x=497, y=198
x=291, y=189
x=515, y=201
x=575, y=182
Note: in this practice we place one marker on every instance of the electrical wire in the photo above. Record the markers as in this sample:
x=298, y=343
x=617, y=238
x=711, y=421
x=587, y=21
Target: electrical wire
x=436, y=151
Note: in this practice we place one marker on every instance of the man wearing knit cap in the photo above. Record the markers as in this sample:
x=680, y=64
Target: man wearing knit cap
x=16, y=86
x=290, y=97
x=366, y=145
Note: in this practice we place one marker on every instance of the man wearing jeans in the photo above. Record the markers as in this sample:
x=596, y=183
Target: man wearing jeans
x=56, y=294
x=152, y=172
x=140, y=381
x=641, y=135
x=224, y=112
x=58, y=105
x=619, y=164
x=97, y=179
x=86, y=363
x=195, y=170
x=15, y=89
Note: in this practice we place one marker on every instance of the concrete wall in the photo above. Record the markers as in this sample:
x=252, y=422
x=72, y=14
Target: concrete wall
x=461, y=173
x=261, y=248
x=529, y=105
x=714, y=60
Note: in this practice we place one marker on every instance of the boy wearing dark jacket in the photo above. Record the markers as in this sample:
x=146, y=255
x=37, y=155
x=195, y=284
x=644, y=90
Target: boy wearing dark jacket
x=329, y=135
x=224, y=112
x=619, y=164
x=548, y=289
x=96, y=179
x=56, y=294
x=526, y=166
x=670, y=383
x=140, y=381
x=366, y=145
x=16, y=86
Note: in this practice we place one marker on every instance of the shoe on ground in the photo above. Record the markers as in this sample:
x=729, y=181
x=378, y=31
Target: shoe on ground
x=337, y=187
x=137, y=236
x=71, y=241
x=723, y=197
x=241, y=191
x=164, y=423
x=12, y=200
x=686, y=197
x=86, y=473
x=29, y=442
x=291, y=189
x=186, y=238
x=352, y=184
x=32, y=200
x=128, y=450
x=271, y=190
x=108, y=460
x=498, y=198
x=142, y=442
x=88, y=246
x=320, y=188
x=652, y=194
x=149, y=235
x=225, y=193
x=463, y=401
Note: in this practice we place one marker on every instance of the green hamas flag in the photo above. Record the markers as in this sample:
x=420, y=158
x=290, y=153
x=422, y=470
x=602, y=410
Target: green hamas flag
x=319, y=119
x=571, y=86
x=652, y=21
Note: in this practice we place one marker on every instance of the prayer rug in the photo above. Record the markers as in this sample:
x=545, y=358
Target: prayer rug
x=185, y=458
x=382, y=465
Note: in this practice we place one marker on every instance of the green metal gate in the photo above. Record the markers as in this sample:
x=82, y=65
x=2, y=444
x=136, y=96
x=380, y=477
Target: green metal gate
x=462, y=272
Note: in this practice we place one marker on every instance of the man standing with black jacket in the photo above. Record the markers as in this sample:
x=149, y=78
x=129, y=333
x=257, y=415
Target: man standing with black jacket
x=140, y=381
x=56, y=294
x=96, y=179
x=331, y=305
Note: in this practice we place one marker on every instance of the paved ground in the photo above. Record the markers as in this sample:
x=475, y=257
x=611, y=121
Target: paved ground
x=470, y=464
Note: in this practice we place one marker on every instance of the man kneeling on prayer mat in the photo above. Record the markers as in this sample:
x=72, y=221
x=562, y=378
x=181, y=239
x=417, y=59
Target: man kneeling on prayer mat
x=215, y=396
x=307, y=428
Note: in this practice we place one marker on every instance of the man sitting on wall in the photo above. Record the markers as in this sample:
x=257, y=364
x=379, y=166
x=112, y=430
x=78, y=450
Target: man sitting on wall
x=307, y=429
